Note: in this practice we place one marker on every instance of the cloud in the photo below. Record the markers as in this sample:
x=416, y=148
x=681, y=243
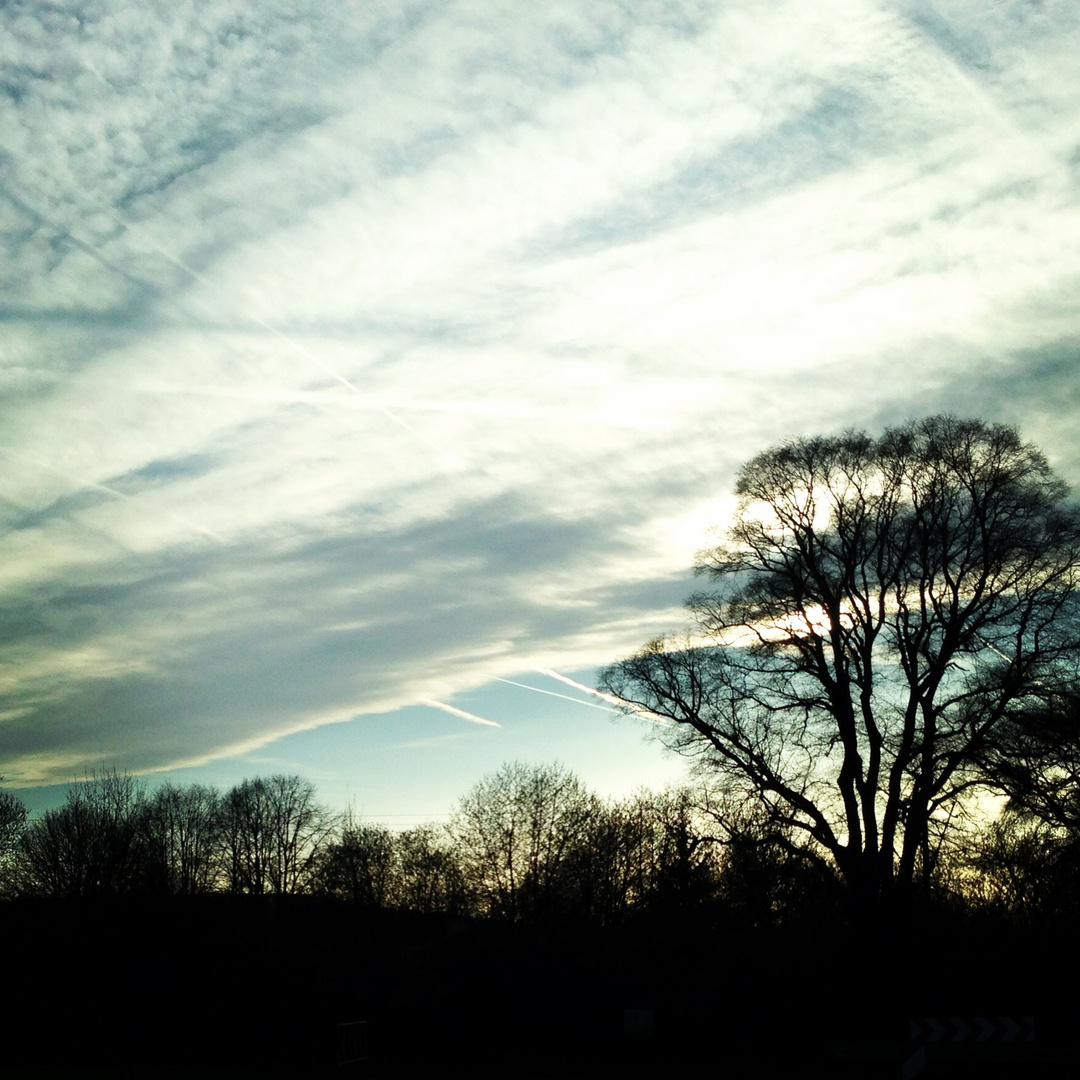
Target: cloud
x=354, y=358
x=229, y=648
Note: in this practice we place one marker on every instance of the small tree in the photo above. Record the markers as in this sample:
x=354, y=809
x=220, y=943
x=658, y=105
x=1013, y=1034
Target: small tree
x=1034, y=759
x=1022, y=868
x=611, y=872
x=652, y=851
x=766, y=876
x=883, y=607
x=431, y=877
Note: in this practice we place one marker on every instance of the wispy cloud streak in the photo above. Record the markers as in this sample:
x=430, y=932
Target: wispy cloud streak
x=496, y=409
x=590, y=257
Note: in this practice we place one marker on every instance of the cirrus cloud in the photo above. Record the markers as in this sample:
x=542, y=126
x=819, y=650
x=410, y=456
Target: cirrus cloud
x=354, y=358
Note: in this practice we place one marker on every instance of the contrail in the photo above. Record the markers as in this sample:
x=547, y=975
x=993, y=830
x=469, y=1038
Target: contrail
x=306, y=353
x=87, y=249
x=611, y=698
x=301, y=350
x=202, y=279
x=552, y=693
x=80, y=482
x=453, y=711
x=503, y=410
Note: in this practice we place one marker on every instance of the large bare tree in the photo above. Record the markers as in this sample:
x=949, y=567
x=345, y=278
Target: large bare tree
x=882, y=608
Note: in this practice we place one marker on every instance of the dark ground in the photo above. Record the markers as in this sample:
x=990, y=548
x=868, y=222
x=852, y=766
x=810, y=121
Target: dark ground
x=221, y=987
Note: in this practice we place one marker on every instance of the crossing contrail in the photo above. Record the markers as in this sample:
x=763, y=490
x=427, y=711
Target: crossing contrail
x=501, y=410
x=611, y=698
x=494, y=409
x=82, y=481
x=301, y=350
x=552, y=693
x=258, y=320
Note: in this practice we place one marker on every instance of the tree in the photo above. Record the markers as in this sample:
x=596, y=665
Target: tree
x=360, y=866
x=653, y=851
x=182, y=830
x=13, y=816
x=431, y=877
x=1020, y=867
x=1035, y=760
x=272, y=832
x=90, y=846
x=616, y=869
x=883, y=608
x=767, y=876
x=513, y=832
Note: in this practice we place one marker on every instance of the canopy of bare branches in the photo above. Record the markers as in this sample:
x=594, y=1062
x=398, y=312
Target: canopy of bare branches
x=882, y=608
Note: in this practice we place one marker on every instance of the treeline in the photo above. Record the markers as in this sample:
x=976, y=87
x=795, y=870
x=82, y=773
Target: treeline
x=252, y=921
x=527, y=844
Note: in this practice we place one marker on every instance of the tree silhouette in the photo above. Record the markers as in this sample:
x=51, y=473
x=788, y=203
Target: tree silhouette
x=514, y=831
x=13, y=816
x=1020, y=868
x=182, y=831
x=272, y=832
x=360, y=866
x=431, y=876
x=1035, y=760
x=615, y=870
x=884, y=607
x=91, y=845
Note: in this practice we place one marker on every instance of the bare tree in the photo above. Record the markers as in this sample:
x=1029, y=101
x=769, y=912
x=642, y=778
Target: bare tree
x=883, y=607
x=767, y=873
x=1020, y=867
x=514, y=830
x=13, y=815
x=361, y=865
x=92, y=844
x=272, y=832
x=1034, y=759
x=417, y=870
x=650, y=851
x=182, y=830
x=431, y=876
x=612, y=871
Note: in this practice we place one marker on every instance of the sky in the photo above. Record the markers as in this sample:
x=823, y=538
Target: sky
x=365, y=368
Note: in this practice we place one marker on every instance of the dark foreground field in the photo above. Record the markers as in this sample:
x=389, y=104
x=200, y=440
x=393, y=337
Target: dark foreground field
x=248, y=987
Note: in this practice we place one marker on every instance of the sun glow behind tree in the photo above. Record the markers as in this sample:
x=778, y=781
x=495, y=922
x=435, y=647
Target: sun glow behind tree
x=902, y=600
